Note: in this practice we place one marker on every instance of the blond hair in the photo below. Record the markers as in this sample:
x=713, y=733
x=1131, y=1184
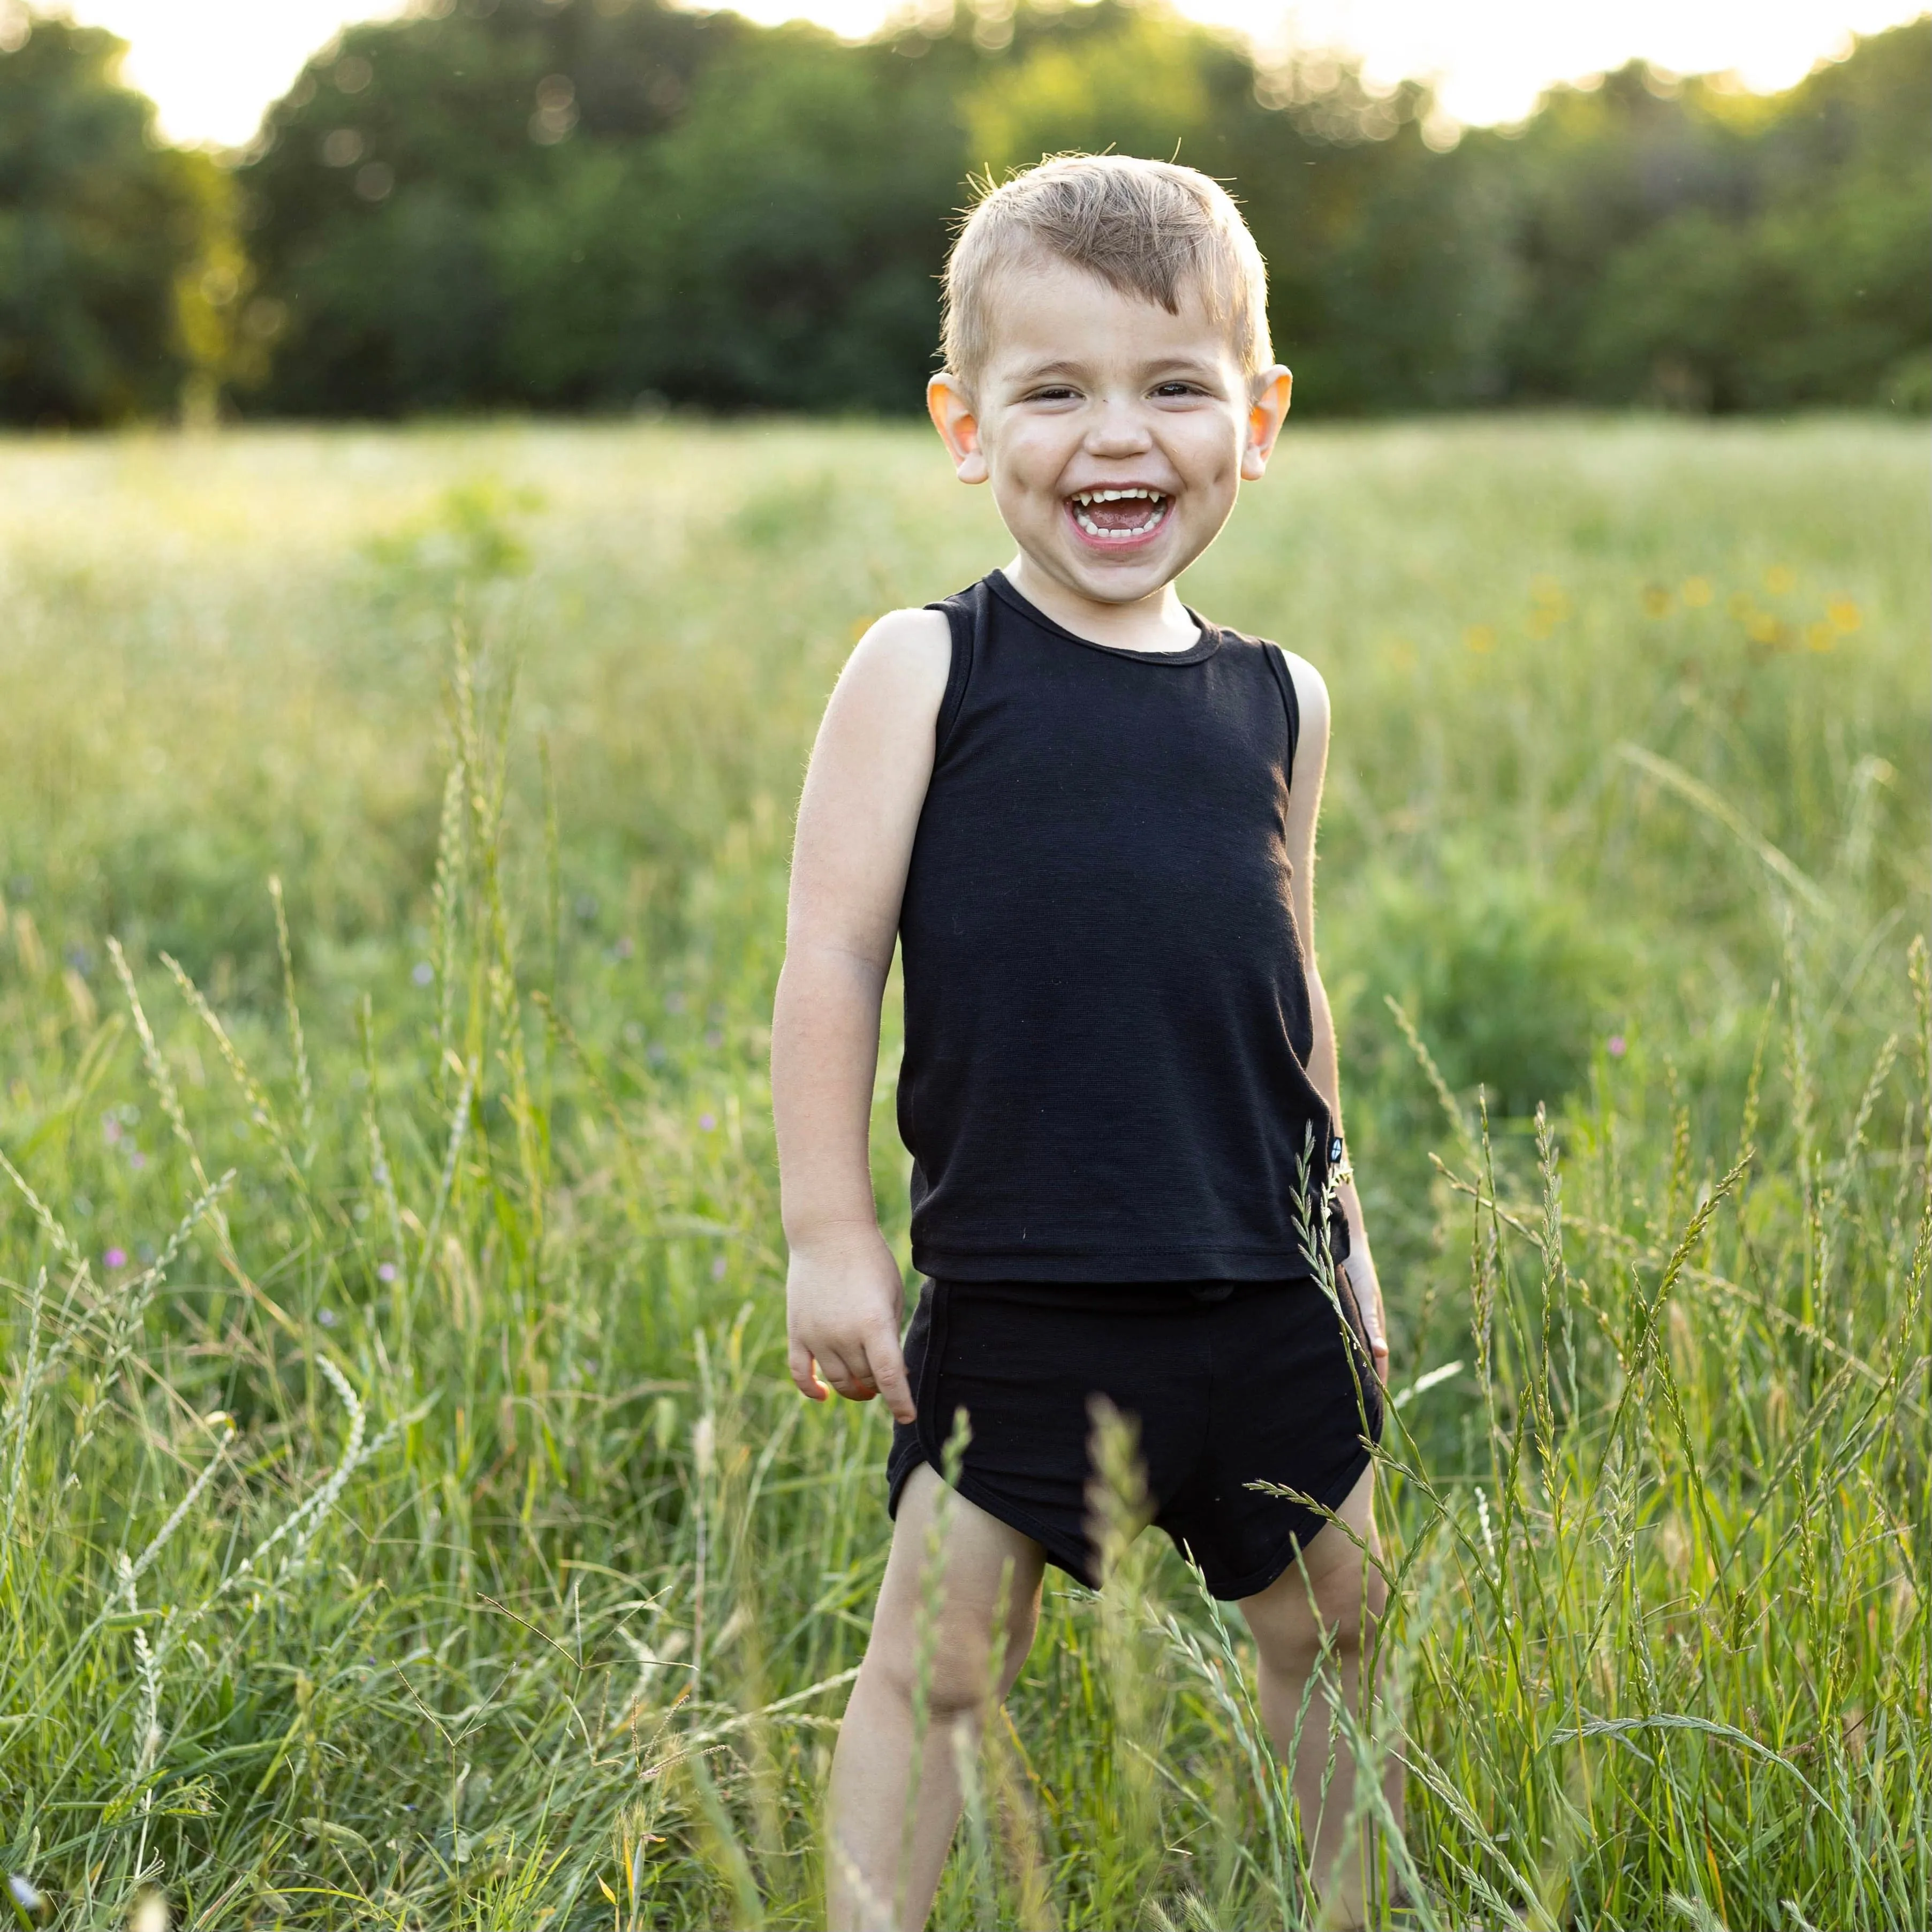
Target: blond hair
x=1149, y=229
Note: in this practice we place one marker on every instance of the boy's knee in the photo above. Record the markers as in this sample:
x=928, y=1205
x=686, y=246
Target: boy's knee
x=954, y=1680
x=958, y=1667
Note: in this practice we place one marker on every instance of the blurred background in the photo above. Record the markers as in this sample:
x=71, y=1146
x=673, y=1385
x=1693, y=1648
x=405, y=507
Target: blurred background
x=445, y=460
x=611, y=204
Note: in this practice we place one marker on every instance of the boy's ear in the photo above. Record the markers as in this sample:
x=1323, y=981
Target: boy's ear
x=1266, y=413
x=951, y=410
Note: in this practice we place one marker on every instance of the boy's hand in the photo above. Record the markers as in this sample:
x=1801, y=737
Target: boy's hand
x=1375, y=1318
x=1366, y=1288
x=843, y=1302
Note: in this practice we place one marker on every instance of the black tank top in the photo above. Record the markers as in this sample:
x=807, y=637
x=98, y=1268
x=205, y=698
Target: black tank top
x=1107, y=1019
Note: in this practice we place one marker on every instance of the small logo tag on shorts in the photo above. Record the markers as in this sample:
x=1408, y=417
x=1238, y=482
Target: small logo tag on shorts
x=1335, y=1151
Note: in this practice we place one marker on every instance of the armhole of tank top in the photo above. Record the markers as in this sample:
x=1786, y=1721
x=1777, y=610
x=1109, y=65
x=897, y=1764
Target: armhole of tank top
x=959, y=624
x=1277, y=660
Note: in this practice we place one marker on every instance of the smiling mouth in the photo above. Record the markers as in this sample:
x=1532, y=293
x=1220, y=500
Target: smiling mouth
x=1119, y=516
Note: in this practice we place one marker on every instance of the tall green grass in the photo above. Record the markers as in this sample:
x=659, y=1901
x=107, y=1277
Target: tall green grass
x=408, y=1521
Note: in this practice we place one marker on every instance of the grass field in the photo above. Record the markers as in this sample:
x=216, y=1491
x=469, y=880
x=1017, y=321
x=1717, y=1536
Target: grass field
x=408, y=1521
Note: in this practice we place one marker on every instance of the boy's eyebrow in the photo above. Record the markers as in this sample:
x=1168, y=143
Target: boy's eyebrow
x=1057, y=365
x=1180, y=362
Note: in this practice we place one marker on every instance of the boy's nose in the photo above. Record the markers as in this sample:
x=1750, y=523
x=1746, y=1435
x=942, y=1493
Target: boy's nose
x=1118, y=429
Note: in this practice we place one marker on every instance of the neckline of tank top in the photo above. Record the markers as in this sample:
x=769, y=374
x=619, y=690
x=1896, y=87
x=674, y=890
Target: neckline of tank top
x=1198, y=652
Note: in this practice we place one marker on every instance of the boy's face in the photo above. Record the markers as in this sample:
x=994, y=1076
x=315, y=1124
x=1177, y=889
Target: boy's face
x=1087, y=391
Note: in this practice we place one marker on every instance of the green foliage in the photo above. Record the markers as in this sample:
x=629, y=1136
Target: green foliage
x=1694, y=246
x=571, y=205
x=469, y=539
x=770, y=233
x=1139, y=89
x=115, y=266
x=390, y=197
x=1506, y=975
x=791, y=233
x=480, y=1563
x=595, y=204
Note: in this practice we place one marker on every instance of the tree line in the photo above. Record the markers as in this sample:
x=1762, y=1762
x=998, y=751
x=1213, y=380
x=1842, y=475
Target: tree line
x=603, y=204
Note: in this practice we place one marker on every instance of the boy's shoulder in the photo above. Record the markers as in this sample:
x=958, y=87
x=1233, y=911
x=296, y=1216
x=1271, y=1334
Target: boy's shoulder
x=901, y=662
x=1309, y=720
x=900, y=641
x=1311, y=690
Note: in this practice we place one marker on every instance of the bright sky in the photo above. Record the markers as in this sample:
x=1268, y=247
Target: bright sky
x=213, y=65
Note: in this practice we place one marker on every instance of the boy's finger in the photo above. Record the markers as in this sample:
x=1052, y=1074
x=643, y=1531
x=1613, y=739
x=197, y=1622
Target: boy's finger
x=887, y=1363
x=798, y=1358
x=853, y=1383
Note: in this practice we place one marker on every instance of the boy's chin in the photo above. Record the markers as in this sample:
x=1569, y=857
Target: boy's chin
x=1109, y=580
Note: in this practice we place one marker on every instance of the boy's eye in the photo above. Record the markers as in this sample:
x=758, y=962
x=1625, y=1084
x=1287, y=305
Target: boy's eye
x=1177, y=388
x=1053, y=392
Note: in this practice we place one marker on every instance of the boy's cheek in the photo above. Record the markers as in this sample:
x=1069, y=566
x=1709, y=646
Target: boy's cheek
x=1022, y=506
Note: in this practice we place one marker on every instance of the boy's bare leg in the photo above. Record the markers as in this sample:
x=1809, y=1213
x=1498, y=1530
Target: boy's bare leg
x=1334, y=1589
x=872, y=1884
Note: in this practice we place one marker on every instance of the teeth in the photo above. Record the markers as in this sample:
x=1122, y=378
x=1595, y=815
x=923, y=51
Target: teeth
x=1093, y=530
x=1081, y=499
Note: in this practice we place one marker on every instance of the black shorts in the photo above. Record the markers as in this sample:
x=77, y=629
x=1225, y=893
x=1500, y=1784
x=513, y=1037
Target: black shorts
x=1230, y=1382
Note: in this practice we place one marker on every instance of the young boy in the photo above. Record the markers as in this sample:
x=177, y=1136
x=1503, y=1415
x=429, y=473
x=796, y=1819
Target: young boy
x=1088, y=817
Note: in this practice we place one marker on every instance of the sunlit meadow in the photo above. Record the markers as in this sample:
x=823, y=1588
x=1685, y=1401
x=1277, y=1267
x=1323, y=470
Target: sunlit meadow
x=408, y=1521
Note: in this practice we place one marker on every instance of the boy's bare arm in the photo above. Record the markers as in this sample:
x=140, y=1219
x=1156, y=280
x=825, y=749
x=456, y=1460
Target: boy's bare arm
x=1304, y=808
x=856, y=820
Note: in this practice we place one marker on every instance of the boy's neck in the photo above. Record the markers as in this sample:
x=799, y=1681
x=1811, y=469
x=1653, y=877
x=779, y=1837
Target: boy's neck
x=1159, y=622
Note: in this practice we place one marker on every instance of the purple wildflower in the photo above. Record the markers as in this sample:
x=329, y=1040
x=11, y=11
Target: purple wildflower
x=115, y=1258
